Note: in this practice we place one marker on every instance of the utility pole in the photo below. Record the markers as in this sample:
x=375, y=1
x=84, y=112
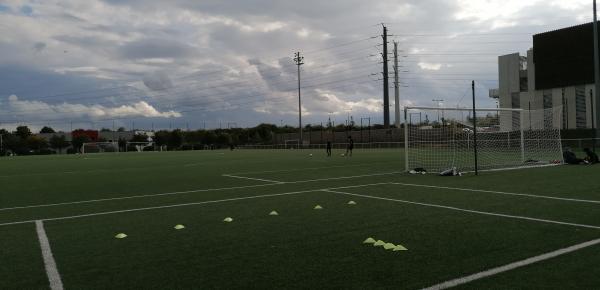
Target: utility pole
x=299, y=60
x=396, y=86
x=386, y=88
x=596, y=68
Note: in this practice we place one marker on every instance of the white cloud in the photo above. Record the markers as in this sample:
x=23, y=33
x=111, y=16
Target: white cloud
x=430, y=66
x=33, y=109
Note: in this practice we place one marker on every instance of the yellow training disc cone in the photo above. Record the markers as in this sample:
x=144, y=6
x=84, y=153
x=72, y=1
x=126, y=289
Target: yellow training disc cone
x=379, y=243
x=179, y=227
x=352, y=202
x=274, y=213
x=369, y=241
x=228, y=220
x=400, y=248
x=318, y=207
x=389, y=246
x=121, y=236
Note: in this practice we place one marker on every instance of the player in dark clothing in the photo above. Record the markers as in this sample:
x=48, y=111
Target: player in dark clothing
x=328, y=148
x=350, y=146
x=591, y=157
x=570, y=157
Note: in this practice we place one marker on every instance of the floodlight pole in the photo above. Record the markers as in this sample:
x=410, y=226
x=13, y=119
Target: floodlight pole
x=474, y=129
x=299, y=61
x=596, y=69
x=593, y=121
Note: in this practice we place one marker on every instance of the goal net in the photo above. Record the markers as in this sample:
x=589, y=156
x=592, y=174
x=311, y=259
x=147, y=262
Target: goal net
x=506, y=139
x=292, y=144
x=100, y=147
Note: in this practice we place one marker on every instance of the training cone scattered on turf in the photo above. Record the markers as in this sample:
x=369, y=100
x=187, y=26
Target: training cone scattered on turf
x=400, y=248
x=379, y=243
x=352, y=202
x=121, y=236
x=389, y=246
x=274, y=213
x=179, y=227
x=369, y=241
x=228, y=220
x=318, y=207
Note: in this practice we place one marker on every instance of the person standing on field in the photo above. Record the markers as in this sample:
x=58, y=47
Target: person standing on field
x=328, y=148
x=350, y=146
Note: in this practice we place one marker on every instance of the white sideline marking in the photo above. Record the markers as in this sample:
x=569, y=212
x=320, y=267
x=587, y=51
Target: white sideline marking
x=49, y=263
x=132, y=197
x=186, y=204
x=185, y=192
x=500, y=192
x=250, y=178
x=511, y=266
x=468, y=210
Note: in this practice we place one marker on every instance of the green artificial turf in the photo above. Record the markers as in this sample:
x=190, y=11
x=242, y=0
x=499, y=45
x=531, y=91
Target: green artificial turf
x=146, y=194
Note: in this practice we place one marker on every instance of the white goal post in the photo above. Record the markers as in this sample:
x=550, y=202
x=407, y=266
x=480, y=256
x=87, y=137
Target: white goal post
x=100, y=147
x=292, y=144
x=506, y=138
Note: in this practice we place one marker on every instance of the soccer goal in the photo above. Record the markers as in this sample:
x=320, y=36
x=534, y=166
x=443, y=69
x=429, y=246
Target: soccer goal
x=292, y=144
x=100, y=147
x=494, y=139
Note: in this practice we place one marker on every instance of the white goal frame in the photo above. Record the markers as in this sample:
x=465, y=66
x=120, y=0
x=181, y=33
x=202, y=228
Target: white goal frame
x=295, y=142
x=114, y=144
x=521, y=128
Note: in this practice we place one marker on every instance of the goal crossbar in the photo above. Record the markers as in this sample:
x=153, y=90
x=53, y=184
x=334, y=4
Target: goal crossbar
x=464, y=109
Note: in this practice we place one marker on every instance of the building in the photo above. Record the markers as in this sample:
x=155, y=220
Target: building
x=557, y=73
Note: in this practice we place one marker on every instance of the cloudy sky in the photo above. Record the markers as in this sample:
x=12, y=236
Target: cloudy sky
x=212, y=63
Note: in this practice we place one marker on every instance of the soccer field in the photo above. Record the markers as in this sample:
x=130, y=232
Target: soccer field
x=59, y=215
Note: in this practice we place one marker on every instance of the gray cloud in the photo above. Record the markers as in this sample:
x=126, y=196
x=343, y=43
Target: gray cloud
x=235, y=56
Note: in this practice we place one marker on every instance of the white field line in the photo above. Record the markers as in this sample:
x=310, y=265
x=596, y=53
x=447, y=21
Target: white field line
x=49, y=263
x=499, y=192
x=186, y=204
x=511, y=266
x=307, y=168
x=251, y=178
x=187, y=192
x=468, y=210
x=132, y=197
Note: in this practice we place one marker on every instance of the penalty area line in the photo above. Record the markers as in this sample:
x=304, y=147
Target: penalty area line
x=189, y=192
x=251, y=178
x=49, y=262
x=187, y=204
x=512, y=266
x=500, y=192
x=466, y=210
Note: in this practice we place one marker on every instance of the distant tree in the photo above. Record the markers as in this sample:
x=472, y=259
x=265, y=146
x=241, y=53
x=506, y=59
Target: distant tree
x=78, y=141
x=176, y=138
x=161, y=138
x=47, y=130
x=140, y=138
x=121, y=129
x=58, y=142
x=105, y=130
x=23, y=132
x=36, y=143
